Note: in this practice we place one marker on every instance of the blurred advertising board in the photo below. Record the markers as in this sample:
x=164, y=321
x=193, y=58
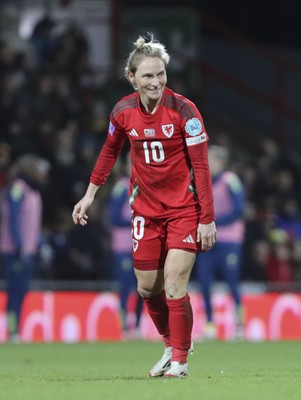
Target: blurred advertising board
x=89, y=316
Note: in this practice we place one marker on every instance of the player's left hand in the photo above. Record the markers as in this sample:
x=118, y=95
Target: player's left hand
x=206, y=234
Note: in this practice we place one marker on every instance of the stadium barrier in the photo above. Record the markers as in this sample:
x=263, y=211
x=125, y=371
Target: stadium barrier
x=92, y=316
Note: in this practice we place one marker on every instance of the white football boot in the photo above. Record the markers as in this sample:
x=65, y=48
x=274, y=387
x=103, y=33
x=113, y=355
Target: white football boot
x=164, y=364
x=177, y=370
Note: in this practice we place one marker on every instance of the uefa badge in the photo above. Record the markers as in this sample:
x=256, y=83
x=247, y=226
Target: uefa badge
x=111, y=129
x=193, y=127
x=135, y=245
x=168, y=130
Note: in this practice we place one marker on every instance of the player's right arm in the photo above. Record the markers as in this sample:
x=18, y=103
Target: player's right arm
x=79, y=214
x=100, y=173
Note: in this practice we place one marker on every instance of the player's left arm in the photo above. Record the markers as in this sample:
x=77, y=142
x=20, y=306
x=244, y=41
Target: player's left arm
x=196, y=139
x=206, y=232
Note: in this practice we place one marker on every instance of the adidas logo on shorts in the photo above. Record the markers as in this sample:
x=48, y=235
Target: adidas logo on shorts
x=188, y=239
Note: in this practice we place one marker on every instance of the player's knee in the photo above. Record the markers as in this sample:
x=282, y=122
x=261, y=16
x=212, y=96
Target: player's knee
x=147, y=291
x=144, y=292
x=176, y=285
x=150, y=283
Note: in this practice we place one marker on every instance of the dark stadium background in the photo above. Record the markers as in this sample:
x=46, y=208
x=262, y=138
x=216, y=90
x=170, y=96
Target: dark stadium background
x=242, y=68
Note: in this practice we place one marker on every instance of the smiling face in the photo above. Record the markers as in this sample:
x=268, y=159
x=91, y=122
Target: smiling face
x=149, y=79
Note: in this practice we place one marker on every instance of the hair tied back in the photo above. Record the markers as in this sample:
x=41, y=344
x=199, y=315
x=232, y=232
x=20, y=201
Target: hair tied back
x=140, y=42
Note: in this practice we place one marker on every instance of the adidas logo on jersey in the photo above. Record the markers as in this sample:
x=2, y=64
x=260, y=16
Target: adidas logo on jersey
x=188, y=239
x=133, y=132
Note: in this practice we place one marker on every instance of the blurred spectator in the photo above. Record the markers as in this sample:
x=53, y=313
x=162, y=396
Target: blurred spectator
x=9, y=27
x=71, y=52
x=43, y=40
x=278, y=263
x=258, y=260
x=21, y=224
x=296, y=260
x=224, y=259
x=90, y=251
x=5, y=160
x=77, y=255
x=289, y=218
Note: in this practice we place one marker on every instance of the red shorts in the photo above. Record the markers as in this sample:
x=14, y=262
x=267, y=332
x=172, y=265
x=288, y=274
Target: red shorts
x=152, y=238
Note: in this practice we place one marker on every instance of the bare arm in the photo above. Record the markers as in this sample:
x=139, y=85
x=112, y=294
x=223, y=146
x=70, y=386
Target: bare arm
x=79, y=214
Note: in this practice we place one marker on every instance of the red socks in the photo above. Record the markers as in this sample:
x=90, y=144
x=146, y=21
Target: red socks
x=173, y=319
x=158, y=311
x=180, y=323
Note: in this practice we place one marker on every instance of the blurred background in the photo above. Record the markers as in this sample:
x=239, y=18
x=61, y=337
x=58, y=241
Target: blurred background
x=61, y=72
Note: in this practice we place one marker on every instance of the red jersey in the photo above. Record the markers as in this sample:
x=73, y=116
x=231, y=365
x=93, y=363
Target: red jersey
x=170, y=172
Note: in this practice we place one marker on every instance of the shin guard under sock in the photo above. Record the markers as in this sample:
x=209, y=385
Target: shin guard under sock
x=180, y=324
x=158, y=311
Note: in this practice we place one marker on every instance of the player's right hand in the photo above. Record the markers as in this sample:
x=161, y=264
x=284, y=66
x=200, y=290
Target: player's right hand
x=79, y=214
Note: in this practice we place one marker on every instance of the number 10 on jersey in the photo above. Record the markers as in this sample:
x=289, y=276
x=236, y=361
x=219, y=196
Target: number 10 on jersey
x=153, y=151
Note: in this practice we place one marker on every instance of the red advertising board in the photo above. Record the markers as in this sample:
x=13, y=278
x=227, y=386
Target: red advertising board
x=90, y=316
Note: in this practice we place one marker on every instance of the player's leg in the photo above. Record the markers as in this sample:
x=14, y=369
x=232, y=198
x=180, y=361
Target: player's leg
x=149, y=255
x=150, y=287
x=182, y=245
x=177, y=269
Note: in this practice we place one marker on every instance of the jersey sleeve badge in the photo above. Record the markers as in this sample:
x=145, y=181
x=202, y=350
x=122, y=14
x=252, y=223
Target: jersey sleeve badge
x=191, y=141
x=111, y=129
x=193, y=127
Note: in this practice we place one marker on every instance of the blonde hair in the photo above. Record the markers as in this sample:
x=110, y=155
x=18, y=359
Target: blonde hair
x=143, y=48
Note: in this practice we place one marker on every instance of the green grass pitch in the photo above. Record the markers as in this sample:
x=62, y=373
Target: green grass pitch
x=107, y=371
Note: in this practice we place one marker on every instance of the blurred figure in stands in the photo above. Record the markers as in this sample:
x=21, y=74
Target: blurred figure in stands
x=120, y=219
x=5, y=159
x=21, y=222
x=279, y=270
x=223, y=261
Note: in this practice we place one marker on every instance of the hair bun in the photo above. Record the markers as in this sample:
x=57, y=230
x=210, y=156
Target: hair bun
x=139, y=42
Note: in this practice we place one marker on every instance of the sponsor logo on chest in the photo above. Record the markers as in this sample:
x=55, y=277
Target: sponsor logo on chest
x=150, y=132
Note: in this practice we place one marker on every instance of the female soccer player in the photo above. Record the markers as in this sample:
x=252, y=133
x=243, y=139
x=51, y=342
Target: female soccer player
x=170, y=195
